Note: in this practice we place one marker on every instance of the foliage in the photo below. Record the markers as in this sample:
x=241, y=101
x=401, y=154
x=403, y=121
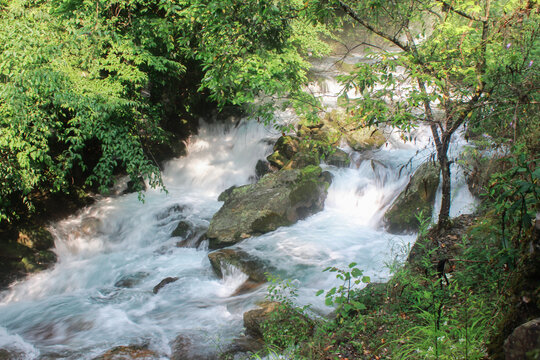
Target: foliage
x=288, y=325
x=88, y=87
x=440, y=65
x=515, y=194
x=341, y=296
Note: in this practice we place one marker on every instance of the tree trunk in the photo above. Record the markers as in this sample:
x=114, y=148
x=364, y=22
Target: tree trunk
x=442, y=142
x=444, y=213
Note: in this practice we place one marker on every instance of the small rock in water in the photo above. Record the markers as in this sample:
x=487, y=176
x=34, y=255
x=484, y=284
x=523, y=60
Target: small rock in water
x=184, y=348
x=129, y=352
x=163, y=282
x=131, y=280
x=183, y=229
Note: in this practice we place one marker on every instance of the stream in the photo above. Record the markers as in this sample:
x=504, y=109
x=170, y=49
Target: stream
x=111, y=255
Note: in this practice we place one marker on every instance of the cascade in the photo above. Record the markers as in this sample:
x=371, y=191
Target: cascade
x=112, y=254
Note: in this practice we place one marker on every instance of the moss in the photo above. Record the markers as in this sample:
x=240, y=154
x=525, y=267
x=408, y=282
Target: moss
x=268, y=222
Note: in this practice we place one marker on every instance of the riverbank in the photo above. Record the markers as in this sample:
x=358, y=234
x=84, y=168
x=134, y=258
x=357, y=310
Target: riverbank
x=456, y=296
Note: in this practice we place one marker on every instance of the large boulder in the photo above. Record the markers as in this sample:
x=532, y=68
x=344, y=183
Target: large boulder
x=250, y=265
x=524, y=342
x=417, y=197
x=278, y=199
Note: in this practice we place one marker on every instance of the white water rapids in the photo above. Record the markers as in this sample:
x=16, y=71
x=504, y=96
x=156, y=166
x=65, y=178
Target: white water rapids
x=78, y=310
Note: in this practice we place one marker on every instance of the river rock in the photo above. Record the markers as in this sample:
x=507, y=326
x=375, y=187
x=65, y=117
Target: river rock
x=37, y=238
x=184, y=348
x=6, y=354
x=284, y=150
x=338, y=158
x=253, y=319
x=131, y=280
x=365, y=138
x=524, y=339
x=417, y=197
x=278, y=199
x=262, y=168
x=243, y=348
x=162, y=283
x=302, y=159
x=129, y=352
x=248, y=264
x=183, y=229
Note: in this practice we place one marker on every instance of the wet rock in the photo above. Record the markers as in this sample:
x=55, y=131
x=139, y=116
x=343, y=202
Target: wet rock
x=172, y=210
x=338, y=158
x=135, y=186
x=6, y=354
x=183, y=229
x=243, y=348
x=302, y=159
x=184, y=348
x=17, y=260
x=523, y=342
x=194, y=239
x=284, y=150
x=89, y=226
x=131, y=280
x=250, y=265
x=278, y=199
x=417, y=197
x=130, y=352
x=254, y=319
x=365, y=138
x=162, y=283
x=37, y=238
x=262, y=168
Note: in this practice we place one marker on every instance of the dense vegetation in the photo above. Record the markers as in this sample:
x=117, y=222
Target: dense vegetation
x=88, y=88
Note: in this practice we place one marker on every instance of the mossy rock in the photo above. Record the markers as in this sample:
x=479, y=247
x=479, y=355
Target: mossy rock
x=366, y=138
x=338, y=158
x=417, y=197
x=277, y=199
x=302, y=159
x=37, y=238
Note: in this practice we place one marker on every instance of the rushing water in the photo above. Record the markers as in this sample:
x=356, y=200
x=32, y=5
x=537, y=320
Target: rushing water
x=112, y=254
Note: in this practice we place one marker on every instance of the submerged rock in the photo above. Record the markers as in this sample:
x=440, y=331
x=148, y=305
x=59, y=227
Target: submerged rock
x=184, y=348
x=417, y=197
x=162, y=283
x=278, y=199
x=250, y=265
x=131, y=280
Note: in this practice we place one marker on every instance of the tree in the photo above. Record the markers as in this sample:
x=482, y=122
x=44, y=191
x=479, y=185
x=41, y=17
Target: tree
x=451, y=55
